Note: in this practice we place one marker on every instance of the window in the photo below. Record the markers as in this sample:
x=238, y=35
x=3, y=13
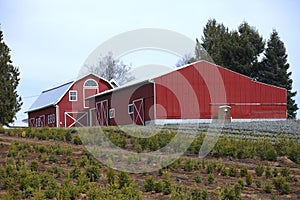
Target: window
x=90, y=83
x=51, y=119
x=38, y=122
x=73, y=95
x=111, y=113
x=130, y=108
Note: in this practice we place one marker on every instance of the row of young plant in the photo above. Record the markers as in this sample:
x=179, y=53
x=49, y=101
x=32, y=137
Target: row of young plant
x=233, y=147
x=265, y=178
x=27, y=177
x=45, y=133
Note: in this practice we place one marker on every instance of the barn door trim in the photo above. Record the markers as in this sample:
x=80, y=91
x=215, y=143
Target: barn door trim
x=102, y=112
x=138, y=111
x=31, y=122
x=91, y=116
x=75, y=120
x=42, y=121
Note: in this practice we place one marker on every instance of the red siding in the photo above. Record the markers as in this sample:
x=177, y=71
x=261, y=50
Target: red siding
x=120, y=99
x=43, y=112
x=70, y=106
x=75, y=109
x=198, y=90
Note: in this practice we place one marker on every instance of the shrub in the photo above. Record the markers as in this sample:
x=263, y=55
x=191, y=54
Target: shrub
x=258, y=182
x=111, y=176
x=294, y=152
x=34, y=165
x=149, y=184
x=224, y=171
x=210, y=178
x=285, y=171
x=75, y=172
x=249, y=179
x=268, y=187
x=232, y=170
x=259, y=170
x=158, y=186
x=241, y=183
x=68, y=136
x=77, y=140
x=282, y=185
x=92, y=172
x=268, y=172
x=124, y=179
x=210, y=168
x=275, y=172
x=197, y=178
x=189, y=165
x=243, y=171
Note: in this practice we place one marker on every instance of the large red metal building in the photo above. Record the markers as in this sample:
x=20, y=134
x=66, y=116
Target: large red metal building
x=65, y=105
x=199, y=92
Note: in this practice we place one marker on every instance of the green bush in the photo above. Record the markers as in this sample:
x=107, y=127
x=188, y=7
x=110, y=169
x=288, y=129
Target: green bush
x=158, y=186
x=149, y=184
x=124, y=179
x=243, y=171
x=189, y=165
x=259, y=170
x=285, y=171
x=224, y=171
x=197, y=178
x=268, y=172
x=232, y=170
x=34, y=165
x=93, y=173
x=268, y=187
x=210, y=178
x=77, y=140
x=249, y=179
x=282, y=185
x=258, y=182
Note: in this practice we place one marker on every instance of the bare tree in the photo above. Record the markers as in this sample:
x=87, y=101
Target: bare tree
x=200, y=54
x=110, y=68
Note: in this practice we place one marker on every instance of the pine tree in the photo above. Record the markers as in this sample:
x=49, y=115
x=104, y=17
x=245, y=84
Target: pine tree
x=10, y=101
x=237, y=50
x=273, y=70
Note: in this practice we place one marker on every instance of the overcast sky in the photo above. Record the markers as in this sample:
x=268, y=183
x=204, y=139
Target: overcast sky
x=50, y=39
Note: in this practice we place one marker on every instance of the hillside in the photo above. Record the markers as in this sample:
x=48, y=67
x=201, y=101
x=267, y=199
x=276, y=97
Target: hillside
x=50, y=163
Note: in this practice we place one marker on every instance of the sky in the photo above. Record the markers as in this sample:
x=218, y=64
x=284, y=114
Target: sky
x=51, y=39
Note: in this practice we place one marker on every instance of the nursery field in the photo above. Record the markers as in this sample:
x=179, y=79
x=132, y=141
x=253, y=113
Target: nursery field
x=46, y=163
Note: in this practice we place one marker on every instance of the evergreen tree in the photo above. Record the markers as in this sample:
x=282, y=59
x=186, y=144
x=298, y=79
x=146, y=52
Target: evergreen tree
x=273, y=70
x=10, y=101
x=237, y=50
x=214, y=41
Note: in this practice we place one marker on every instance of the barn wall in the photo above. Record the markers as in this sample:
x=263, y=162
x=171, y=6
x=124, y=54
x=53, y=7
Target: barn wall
x=70, y=106
x=120, y=99
x=43, y=112
x=197, y=91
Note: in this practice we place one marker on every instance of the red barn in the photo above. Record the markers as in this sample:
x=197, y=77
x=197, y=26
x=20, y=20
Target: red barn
x=198, y=92
x=65, y=105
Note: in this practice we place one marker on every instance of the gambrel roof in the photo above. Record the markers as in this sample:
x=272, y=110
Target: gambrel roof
x=50, y=97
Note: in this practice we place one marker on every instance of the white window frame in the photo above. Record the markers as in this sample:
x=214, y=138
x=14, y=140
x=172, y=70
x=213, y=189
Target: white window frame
x=130, y=109
x=92, y=86
x=51, y=118
x=76, y=96
x=112, y=113
x=37, y=122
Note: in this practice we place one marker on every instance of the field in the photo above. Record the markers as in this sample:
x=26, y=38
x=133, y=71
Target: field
x=245, y=163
